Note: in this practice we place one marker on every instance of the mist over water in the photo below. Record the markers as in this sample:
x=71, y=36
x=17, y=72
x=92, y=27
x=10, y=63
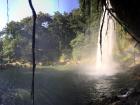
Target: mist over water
x=103, y=60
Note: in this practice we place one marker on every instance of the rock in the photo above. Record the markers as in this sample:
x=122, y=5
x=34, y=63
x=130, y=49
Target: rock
x=126, y=93
x=123, y=91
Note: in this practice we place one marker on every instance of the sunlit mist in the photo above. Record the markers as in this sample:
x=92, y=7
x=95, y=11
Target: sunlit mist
x=104, y=63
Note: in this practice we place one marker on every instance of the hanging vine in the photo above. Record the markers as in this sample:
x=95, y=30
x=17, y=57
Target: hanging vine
x=7, y=4
x=33, y=49
x=101, y=29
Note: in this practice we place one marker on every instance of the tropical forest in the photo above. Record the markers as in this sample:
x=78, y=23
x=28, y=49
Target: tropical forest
x=69, y=52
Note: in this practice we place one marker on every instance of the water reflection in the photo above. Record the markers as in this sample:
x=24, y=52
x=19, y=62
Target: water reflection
x=103, y=85
x=59, y=88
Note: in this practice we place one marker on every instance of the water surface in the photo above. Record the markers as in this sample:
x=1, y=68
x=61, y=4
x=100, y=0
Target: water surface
x=53, y=87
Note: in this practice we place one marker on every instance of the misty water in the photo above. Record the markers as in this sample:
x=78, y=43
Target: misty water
x=54, y=87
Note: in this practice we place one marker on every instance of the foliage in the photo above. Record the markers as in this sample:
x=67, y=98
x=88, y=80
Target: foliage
x=59, y=37
x=85, y=42
x=9, y=46
x=78, y=41
x=53, y=36
x=90, y=10
x=125, y=47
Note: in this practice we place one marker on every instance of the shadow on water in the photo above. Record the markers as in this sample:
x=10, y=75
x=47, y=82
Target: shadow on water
x=53, y=87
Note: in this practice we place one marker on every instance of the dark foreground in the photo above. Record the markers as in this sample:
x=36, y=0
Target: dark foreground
x=69, y=87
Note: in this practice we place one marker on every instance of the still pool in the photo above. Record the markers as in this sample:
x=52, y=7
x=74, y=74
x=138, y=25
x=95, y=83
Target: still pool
x=53, y=87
